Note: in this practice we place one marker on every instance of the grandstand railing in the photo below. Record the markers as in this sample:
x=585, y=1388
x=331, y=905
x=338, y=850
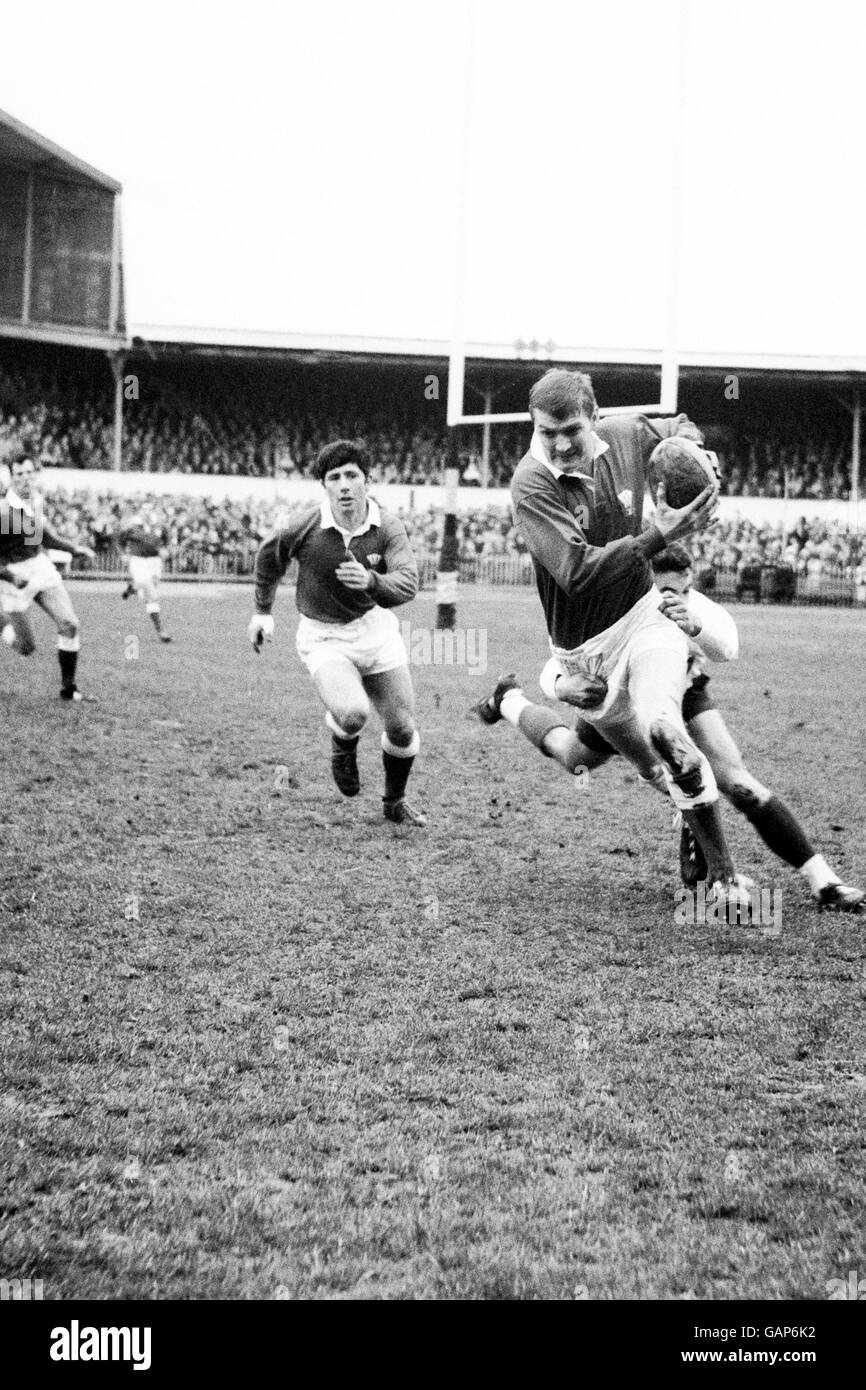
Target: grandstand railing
x=836, y=585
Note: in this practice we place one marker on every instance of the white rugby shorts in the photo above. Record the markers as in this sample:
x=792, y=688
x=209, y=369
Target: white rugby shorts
x=372, y=642
x=145, y=570
x=642, y=628
x=39, y=575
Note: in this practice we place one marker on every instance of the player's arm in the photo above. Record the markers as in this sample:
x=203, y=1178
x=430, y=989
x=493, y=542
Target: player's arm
x=50, y=541
x=652, y=432
x=272, y=561
x=717, y=638
x=400, y=582
x=555, y=540
x=709, y=625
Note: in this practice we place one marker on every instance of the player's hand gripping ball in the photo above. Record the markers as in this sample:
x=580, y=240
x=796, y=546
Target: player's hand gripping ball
x=684, y=468
x=260, y=629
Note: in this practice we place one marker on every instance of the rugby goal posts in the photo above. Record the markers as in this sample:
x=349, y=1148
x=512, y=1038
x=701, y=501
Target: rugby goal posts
x=670, y=272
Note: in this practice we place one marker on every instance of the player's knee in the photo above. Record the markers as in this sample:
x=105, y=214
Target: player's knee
x=741, y=790
x=400, y=728
x=352, y=720
x=68, y=627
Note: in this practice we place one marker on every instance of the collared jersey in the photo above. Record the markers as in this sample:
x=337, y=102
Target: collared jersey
x=584, y=535
x=144, y=540
x=319, y=545
x=23, y=533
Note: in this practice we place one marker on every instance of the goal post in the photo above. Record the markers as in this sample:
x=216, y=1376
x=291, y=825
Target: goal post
x=665, y=405
x=665, y=352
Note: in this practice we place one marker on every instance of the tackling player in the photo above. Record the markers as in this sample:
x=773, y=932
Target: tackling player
x=714, y=633
x=24, y=538
x=354, y=565
x=578, y=500
x=144, y=547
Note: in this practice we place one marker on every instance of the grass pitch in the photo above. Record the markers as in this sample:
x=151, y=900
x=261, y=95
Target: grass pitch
x=259, y=1043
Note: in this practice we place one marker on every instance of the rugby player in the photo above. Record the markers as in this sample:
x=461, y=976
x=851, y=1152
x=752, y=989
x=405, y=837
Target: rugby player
x=578, y=501
x=354, y=565
x=24, y=539
x=714, y=633
x=144, y=548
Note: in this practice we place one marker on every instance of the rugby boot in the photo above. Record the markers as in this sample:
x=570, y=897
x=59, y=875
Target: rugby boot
x=489, y=710
x=837, y=897
x=402, y=813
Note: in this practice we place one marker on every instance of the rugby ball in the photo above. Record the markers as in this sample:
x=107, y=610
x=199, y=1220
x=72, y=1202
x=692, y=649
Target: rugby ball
x=684, y=468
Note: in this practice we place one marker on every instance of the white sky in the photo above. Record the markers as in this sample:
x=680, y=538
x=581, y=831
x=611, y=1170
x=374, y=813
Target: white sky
x=293, y=167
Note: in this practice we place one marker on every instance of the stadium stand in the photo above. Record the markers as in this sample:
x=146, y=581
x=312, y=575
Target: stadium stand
x=815, y=563
x=238, y=420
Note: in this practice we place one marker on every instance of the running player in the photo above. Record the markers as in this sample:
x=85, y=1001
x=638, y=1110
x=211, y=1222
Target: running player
x=578, y=501
x=354, y=565
x=144, y=547
x=714, y=633
x=24, y=539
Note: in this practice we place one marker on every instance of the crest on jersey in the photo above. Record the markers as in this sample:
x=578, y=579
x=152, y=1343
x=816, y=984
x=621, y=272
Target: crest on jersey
x=374, y=558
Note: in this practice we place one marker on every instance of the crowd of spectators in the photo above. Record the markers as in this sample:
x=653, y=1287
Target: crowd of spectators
x=201, y=534
x=265, y=423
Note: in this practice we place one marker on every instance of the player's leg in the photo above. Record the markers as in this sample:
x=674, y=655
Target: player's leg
x=56, y=602
x=773, y=819
x=149, y=590
x=130, y=589
x=656, y=680
x=339, y=686
x=15, y=629
x=393, y=697
x=152, y=608
x=543, y=727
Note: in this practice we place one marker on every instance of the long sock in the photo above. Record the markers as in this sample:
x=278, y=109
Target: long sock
x=780, y=830
x=818, y=874
x=68, y=662
x=705, y=824
x=153, y=614
x=512, y=705
x=398, y=762
x=536, y=723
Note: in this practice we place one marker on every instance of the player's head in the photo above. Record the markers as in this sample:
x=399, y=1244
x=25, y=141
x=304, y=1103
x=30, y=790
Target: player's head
x=343, y=468
x=672, y=568
x=563, y=409
x=340, y=453
x=23, y=472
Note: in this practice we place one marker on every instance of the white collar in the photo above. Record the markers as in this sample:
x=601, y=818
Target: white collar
x=15, y=501
x=373, y=518
x=539, y=453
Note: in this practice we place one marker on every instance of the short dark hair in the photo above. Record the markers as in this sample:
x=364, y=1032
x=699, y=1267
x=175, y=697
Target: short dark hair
x=673, y=557
x=562, y=394
x=342, y=451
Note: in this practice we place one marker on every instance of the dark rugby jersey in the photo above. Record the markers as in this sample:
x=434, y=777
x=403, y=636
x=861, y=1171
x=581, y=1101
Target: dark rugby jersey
x=146, y=541
x=23, y=535
x=591, y=559
x=381, y=545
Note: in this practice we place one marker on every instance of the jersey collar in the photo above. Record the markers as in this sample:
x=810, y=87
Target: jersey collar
x=538, y=452
x=15, y=501
x=373, y=518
